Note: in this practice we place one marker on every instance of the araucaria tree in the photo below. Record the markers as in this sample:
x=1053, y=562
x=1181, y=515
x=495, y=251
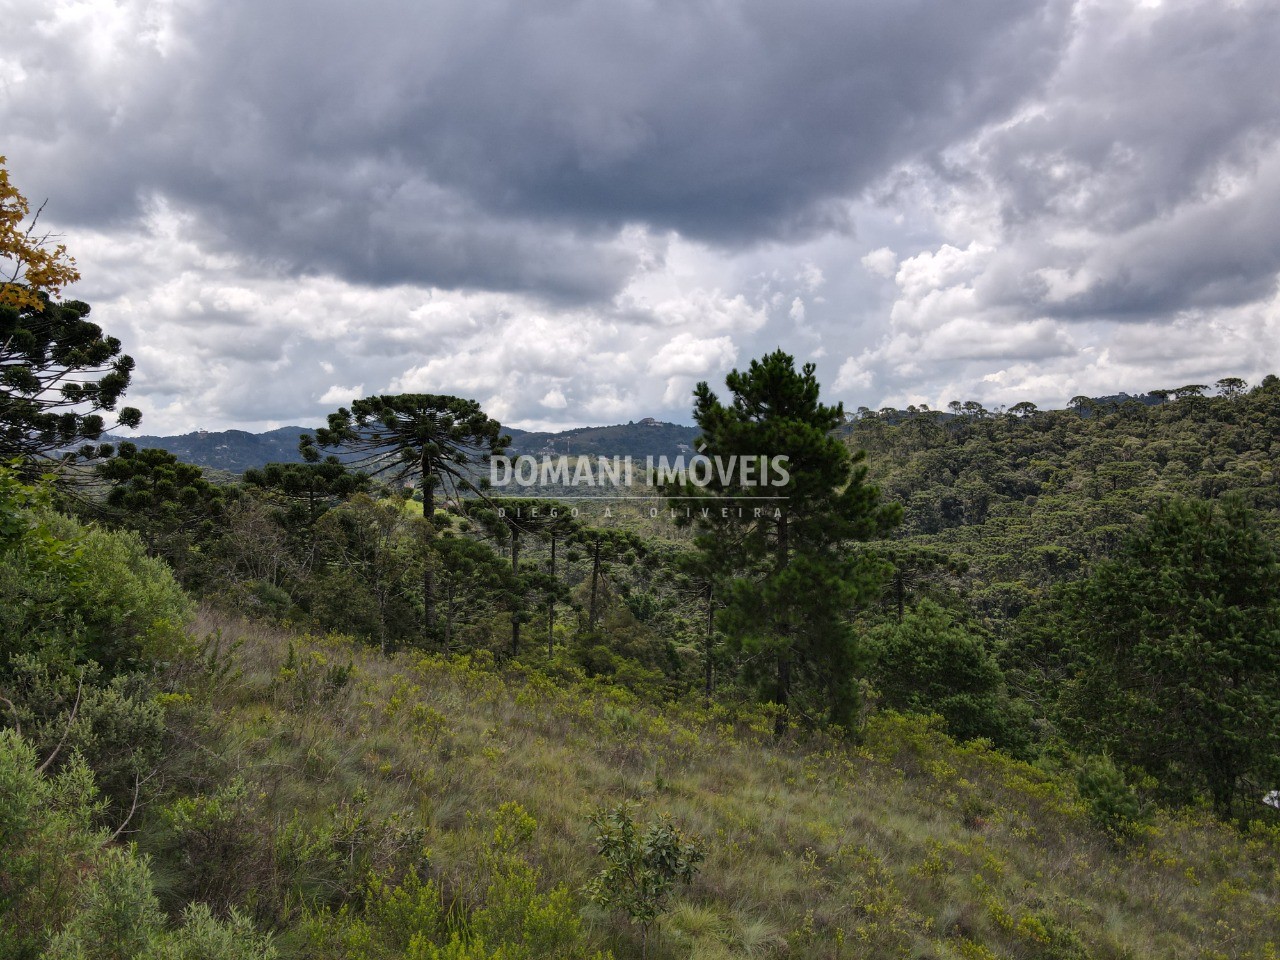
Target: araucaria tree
x=437, y=441
x=58, y=372
x=794, y=578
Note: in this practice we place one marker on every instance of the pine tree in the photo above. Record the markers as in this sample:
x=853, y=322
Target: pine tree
x=58, y=372
x=795, y=577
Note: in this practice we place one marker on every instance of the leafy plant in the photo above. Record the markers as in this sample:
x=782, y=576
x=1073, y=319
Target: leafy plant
x=642, y=870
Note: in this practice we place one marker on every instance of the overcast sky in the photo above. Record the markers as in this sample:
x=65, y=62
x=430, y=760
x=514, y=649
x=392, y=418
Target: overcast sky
x=573, y=210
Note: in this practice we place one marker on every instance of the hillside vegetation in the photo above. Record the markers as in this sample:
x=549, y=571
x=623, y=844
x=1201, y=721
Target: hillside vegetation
x=1008, y=687
x=361, y=806
x=1028, y=497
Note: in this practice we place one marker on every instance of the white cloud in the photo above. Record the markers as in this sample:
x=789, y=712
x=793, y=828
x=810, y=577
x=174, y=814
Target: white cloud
x=337, y=396
x=692, y=356
x=1070, y=197
x=882, y=262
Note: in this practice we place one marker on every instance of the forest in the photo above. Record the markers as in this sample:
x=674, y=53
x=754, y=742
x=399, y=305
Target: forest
x=985, y=684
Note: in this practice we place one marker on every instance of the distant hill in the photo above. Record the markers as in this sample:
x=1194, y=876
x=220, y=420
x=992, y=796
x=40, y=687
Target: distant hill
x=238, y=450
x=232, y=450
x=637, y=439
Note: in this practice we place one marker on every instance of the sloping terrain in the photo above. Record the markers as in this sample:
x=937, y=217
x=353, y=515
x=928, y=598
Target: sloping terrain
x=902, y=845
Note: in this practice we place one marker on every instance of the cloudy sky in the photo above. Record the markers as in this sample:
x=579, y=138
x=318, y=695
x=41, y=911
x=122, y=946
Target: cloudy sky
x=572, y=211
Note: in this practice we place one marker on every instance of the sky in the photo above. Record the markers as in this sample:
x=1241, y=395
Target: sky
x=573, y=211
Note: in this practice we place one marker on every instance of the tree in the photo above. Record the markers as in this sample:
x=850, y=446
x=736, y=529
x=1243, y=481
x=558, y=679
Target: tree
x=795, y=577
x=373, y=555
x=1177, y=641
x=29, y=263
x=436, y=439
x=1233, y=388
x=915, y=565
x=472, y=578
x=509, y=521
x=697, y=578
x=928, y=663
x=58, y=372
x=168, y=502
x=314, y=486
x=604, y=547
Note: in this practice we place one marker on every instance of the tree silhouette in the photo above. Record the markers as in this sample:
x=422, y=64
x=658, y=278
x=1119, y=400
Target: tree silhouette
x=437, y=440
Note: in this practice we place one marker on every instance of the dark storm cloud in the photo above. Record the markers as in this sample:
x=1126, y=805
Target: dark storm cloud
x=1149, y=168
x=502, y=145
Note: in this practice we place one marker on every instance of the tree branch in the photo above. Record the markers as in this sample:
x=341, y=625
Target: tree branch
x=66, y=732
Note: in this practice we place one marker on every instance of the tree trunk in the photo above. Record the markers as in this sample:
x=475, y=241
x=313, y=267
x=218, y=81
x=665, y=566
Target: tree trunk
x=551, y=604
x=448, y=618
x=515, y=573
x=595, y=580
x=711, y=635
x=782, y=695
x=428, y=574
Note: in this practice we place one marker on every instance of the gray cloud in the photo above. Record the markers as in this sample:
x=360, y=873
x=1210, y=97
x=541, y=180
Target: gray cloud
x=1147, y=171
x=502, y=145
x=571, y=211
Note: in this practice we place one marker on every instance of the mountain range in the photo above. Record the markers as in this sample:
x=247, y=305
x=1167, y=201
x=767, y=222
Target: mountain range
x=238, y=450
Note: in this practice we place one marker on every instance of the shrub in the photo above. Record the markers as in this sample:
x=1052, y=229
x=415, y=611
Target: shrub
x=928, y=663
x=643, y=870
x=1112, y=803
x=66, y=894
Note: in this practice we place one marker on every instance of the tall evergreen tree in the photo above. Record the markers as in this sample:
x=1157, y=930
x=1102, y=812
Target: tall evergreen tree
x=58, y=372
x=795, y=577
x=437, y=440
x=311, y=487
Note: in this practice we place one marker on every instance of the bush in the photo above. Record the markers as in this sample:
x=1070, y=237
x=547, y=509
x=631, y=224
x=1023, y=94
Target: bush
x=643, y=870
x=66, y=893
x=1112, y=803
x=930, y=664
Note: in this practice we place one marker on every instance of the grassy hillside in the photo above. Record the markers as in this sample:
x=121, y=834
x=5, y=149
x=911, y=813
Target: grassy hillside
x=903, y=845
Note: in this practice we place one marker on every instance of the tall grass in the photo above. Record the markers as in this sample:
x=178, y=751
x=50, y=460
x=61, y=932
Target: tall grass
x=900, y=845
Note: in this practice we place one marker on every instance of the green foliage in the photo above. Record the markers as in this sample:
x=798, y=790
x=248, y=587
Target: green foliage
x=82, y=611
x=45, y=833
x=1178, y=642
x=1113, y=803
x=643, y=869
x=117, y=915
x=791, y=578
x=58, y=374
x=374, y=555
x=512, y=920
x=94, y=592
x=308, y=488
x=928, y=663
x=67, y=894
x=431, y=437
x=170, y=503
